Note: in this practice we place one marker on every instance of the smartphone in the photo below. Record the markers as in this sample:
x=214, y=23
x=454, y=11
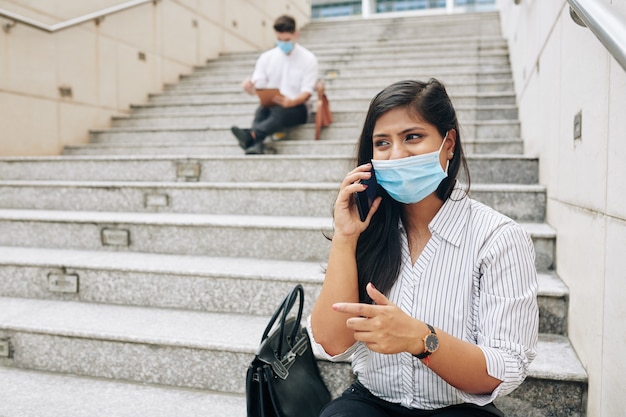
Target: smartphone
x=365, y=198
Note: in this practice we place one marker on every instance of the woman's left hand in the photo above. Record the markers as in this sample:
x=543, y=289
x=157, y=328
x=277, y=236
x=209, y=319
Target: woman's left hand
x=383, y=327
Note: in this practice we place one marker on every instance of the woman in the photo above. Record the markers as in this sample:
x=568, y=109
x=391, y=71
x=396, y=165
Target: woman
x=433, y=295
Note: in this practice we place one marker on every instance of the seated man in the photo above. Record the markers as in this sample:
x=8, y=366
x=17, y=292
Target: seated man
x=293, y=70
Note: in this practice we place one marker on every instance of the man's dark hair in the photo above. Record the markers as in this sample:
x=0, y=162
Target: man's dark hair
x=284, y=24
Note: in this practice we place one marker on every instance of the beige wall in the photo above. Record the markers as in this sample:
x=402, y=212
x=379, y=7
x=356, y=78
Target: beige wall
x=560, y=68
x=101, y=63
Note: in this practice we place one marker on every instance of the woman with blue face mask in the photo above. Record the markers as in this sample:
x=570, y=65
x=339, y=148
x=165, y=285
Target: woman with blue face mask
x=433, y=296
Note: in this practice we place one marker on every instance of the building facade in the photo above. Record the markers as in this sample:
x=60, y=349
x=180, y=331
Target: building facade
x=369, y=8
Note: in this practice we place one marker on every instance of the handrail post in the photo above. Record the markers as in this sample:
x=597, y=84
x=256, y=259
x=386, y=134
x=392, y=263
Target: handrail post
x=576, y=18
x=606, y=24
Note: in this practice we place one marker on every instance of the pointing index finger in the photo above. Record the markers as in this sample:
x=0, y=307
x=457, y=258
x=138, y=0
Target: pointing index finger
x=356, y=309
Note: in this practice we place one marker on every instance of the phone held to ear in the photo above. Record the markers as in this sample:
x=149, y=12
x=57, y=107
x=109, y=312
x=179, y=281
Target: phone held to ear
x=365, y=198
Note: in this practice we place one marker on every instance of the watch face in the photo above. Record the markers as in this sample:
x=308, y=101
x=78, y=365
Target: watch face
x=431, y=342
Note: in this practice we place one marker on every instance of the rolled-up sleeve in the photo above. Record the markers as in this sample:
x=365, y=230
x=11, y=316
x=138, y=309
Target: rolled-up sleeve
x=309, y=76
x=259, y=75
x=508, y=316
x=320, y=353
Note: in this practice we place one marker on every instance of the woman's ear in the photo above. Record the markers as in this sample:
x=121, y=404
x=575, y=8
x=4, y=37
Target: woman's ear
x=451, y=144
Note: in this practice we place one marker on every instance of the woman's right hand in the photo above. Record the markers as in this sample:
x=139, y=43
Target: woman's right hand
x=346, y=214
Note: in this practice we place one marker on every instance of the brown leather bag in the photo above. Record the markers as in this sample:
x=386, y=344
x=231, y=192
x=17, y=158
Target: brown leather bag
x=323, y=115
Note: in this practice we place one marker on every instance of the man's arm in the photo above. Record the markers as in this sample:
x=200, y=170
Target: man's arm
x=248, y=86
x=258, y=75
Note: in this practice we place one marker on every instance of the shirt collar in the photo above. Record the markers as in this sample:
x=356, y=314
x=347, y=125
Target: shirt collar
x=451, y=220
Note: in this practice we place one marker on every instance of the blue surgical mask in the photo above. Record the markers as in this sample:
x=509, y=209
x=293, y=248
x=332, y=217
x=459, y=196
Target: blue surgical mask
x=409, y=180
x=285, y=46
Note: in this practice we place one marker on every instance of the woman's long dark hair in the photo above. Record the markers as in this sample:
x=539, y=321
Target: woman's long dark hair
x=378, y=253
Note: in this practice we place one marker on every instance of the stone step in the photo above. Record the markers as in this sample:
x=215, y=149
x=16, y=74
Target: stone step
x=201, y=350
x=265, y=237
x=366, y=72
x=446, y=44
x=553, y=304
x=451, y=44
x=242, y=107
x=524, y=203
x=374, y=61
x=157, y=280
x=455, y=82
x=481, y=129
x=45, y=394
x=390, y=34
x=347, y=58
x=200, y=283
x=230, y=147
x=481, y=24
x=203, y=111
x=509, y=146
x=373, y=51
x=336, y=87
x=472, y=24
x=390, y=75
x=430, y=28
x=486, y=47
x=489, y=18
x=317, y=43
x=165, y=119
x=429, y=32
x=512, y=169
x=180, y=348
x=357, y=101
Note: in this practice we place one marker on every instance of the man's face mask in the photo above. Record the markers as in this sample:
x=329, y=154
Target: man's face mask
x=411, y=179
x=285, y=46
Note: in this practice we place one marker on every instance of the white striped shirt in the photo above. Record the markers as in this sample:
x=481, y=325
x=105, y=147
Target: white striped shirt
x=476, y=280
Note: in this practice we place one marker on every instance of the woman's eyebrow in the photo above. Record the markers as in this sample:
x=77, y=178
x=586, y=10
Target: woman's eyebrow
x=407, y=130
x=413, y=129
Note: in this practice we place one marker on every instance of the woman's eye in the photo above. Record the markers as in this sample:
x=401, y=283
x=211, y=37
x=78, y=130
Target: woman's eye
x=413, y=137
x=380, y=143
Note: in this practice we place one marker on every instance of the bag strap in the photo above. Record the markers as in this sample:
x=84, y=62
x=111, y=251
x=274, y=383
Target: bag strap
x=285, y=307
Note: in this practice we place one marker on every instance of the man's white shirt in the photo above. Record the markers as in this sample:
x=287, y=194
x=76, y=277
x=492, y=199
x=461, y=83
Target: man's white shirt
x=292, y=74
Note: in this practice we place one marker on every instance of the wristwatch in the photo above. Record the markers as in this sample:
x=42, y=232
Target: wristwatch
x=431, y=343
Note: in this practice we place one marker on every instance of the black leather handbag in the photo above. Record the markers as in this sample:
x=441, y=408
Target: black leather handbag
x=283, y=380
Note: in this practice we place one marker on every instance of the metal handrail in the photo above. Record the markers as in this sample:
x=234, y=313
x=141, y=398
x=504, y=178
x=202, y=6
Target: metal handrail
x=606, y=23
x=72, y=22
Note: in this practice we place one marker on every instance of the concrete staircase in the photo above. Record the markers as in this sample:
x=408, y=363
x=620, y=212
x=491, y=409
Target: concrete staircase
x=137, y=273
